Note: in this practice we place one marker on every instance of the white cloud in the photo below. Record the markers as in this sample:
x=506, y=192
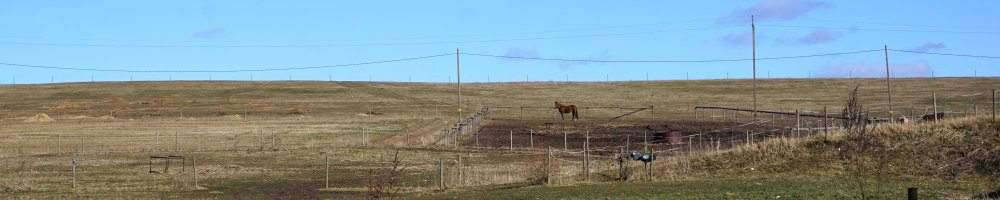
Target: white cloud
x=929, y=47
x=776, y=10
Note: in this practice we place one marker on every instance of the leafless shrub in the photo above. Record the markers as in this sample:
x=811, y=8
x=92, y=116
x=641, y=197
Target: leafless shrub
x=383, y=182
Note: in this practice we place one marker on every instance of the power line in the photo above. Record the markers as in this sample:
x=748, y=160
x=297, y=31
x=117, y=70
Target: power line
x=874, y=29
x=945, y=54
x=364, y=44
x=671, y=61
x=226, y=71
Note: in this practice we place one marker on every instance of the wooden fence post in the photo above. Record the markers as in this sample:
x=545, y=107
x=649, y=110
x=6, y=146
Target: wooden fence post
x=59, y=144
x=327, y=172
x=548, y=170
x=531, y=138
x=565, y=141
x=156, y=145
x=461, y=180
x=586, y=155
x=934, y=96
x=825, y=124
x=441, y=174
x=798, y=123
x=74, y=172
x=408, y=138
x=194, y=170
x=512, y=141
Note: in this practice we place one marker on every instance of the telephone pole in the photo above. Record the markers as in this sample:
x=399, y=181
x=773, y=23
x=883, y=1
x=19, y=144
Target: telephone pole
x=753, y=30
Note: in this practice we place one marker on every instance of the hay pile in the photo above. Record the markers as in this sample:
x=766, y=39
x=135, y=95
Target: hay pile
x=81, y=117
x=106, y=117
x=39, y=118
x=116, y=100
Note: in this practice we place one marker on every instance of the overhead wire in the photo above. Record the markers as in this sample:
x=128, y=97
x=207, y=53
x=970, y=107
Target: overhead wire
x=669, y=61
x=226, y=71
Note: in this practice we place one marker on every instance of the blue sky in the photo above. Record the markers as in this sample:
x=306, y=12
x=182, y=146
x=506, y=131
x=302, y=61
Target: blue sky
x=241, y=35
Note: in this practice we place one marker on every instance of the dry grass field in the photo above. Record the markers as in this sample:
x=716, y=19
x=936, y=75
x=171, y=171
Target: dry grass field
x=270, y=139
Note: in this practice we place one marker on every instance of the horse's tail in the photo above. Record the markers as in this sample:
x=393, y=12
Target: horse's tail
x=575, y=116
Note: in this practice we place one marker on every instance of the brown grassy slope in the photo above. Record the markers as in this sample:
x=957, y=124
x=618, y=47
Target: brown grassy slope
x=959, y=149
x=667, y=96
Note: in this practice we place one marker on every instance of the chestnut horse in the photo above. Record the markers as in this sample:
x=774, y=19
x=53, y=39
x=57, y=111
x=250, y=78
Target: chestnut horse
x=567, y=109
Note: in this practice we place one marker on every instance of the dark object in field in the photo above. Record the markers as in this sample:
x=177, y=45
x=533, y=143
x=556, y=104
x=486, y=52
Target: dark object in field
x=930, y=117
x=567, y=109
x=640, y=157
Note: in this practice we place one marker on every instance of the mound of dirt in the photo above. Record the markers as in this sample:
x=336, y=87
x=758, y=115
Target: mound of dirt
x=115, y=100
x=159, y=101
x=81, y=117
x=39, y=118
x=233, y=117
x=105, y=117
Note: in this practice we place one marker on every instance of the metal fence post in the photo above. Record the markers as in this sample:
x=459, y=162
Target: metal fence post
x=934, y=96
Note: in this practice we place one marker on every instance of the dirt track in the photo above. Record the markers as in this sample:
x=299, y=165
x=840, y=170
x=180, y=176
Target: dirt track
x=603, y=133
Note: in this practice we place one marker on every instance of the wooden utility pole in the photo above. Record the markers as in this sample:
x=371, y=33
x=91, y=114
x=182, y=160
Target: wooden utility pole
x=458, y=71
x=753, y=30
x=934, y=96
x=887, y=84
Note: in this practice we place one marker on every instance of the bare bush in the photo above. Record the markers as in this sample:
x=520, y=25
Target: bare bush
x=383, y=182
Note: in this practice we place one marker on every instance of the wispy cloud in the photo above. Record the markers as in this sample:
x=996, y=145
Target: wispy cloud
x=604, y=55
x=740, y=39
x=929, y=47
x=819, y=36
x=866, y=70
x=521, y=53
x=210, y=33
x=774, y=10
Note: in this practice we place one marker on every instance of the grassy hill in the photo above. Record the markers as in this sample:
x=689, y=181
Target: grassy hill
x=227, y=126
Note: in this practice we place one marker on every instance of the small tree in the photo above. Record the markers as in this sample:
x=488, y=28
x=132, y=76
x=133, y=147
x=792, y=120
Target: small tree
x=383, y=182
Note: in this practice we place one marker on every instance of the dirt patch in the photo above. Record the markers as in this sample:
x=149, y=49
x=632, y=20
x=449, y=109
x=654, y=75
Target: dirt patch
x=158, y=101
x=259, y=105
x=233, y=117
x=39, y=118
x=81, y=117
x=105, y=117
x=3, y=105
x=230, y=100
x=115, y=100
x=63, y=106
x=604, y=134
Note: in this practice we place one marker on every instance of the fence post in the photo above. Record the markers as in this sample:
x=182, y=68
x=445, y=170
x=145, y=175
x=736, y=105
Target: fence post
x=156, y=145
x=461, y=180
x=327, y=172
x=586, y=155
x=934, y=96
x=825, y=124
x=175, y=141
x=994, y=105
x=59, y=144
x=548, y=170
x=272, y=138
x=652, y=113
x=531, y=138
x=512, y=141
x=798, y=123
x=645, y=141
x=194, y=170
x=565, y=141
x=74, y=172
x=408, y=138
x=441, y=174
